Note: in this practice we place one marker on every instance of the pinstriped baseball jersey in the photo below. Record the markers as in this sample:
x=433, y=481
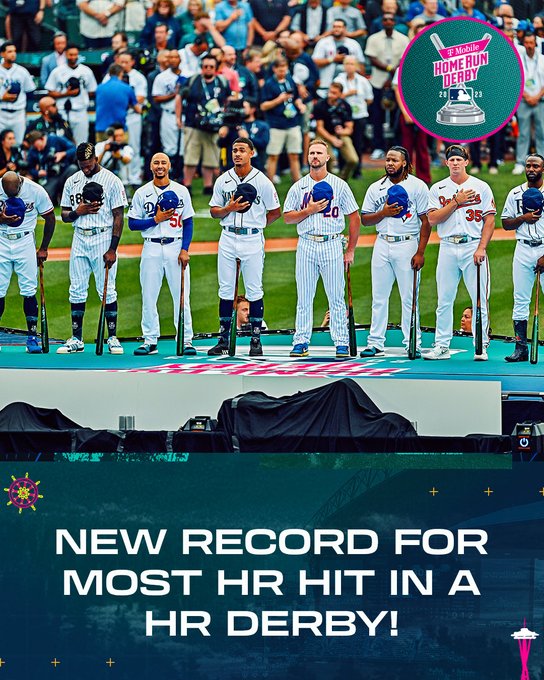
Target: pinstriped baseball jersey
x=144, y=203
x=418, y=200
x=166, y=83
x=58, y=82
x=37, y=203
x=512, y=208
x=267, y=199
x=332, y=220
x=468, y=219
x=16, y=74
x=114, y=197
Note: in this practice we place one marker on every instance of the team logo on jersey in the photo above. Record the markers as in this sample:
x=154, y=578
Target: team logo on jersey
x=474, y=201
x=472, y=77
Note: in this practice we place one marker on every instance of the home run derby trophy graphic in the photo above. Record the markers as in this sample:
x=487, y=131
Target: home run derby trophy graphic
x=460, y=65
x=524, y=637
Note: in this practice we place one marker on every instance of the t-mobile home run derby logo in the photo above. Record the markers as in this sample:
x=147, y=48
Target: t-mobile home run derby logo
x=459, y=65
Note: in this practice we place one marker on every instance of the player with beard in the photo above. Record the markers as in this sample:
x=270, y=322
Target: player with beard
x=397, y=204
x=529, y=254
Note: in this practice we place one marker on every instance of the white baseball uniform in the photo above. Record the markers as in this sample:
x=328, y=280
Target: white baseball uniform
x=171, y=137
x=242, y=236
x=17, y=244
x=92, y=235
x=322, y=257
x=460, y=236
x=529, y=248
x=161, y=259
x=77, y=117
x=397, y=243
x=13, y=114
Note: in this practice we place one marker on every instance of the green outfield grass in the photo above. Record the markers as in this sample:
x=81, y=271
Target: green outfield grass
x=279, y=280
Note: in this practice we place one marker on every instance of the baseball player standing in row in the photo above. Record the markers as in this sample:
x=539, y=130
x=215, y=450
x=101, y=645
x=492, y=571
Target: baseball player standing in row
x=463, y=208
x=318, y=204
x=15, y=83
x=523, y=212
x=93, y=200
x=71, y=84
x=245, y=201
x=163, y=212
x=21, y=201
x=165, y=87
x=397, y=204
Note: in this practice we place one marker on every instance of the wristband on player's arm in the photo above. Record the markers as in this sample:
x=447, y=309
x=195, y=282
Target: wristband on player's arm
x=135, y=224
x=72, y=216
x=187, y=233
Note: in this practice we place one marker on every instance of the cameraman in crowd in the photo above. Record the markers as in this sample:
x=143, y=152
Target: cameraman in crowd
x=50, y=161
x=114, y=153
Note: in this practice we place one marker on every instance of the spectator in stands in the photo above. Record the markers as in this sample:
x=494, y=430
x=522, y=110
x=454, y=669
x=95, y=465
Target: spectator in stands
x=72, y=85
x=119, y=43
x=311, y=20
x=10, y=155
x=274, y=49
x=165, y=87
x=270, y=19
x=135, y=15
x=357, y=92
x=531, y=107
x=417, y=8
x=538, y=26
x=234, y=19
x=389, y=7
x=190, y=56
x=283, y=110
x=50, y=120
x=355, y=24
x=330, y=52
x=26, y=17
x=187, y=17
x=202, y=101
x=504, y=16
x=384, y=49
x=223, y=67
x=335, y=125
x=113, y=100
x=163, y=13
x=56, y=58
x=466, y=320
x=430, y=12
x=134, y=118
x=467, y=9
x=258, y=131
x=254, y=63
x=15, y=83
x=51, y=161
x=64, y=10
x=204, y=27
x=249, y=83
x=151, y=137
x=115, y=154
x=98, y=21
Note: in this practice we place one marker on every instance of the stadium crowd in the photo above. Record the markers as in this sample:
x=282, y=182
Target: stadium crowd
x=188, y=77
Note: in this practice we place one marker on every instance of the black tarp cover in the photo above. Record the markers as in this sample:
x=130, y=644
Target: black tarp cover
x=334, y=418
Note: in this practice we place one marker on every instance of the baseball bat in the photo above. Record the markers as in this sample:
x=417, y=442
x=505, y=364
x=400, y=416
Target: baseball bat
x=534, y=337
x=44, y=326
x=412, y=341
x=102, y=318
x=233, y=318
x=351, y=320
x=180, y=339
x=478, y=337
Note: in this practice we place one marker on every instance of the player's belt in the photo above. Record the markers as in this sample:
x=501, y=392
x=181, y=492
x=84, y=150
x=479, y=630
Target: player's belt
x=16, y=236
x=460, y=238
x=3, y=108
x=533, y=244
x=398, y=239
x=320, y=238
x=163, y=241
x=93, y=231
x=244, y=231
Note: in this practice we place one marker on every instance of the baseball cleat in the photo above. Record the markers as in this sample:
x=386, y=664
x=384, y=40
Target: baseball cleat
x=300, y=350
x=222, y=347
x=255, y=348
x=33, y=345
x=189, y=350
x=370, y=352
x=521, y=353
x=115, y=346
x=71, y=346
x=438, y=352
x=145, y=349
x=481, y=357
x=342, y=352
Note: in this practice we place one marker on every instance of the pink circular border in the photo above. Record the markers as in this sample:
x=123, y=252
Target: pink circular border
x=431, y=27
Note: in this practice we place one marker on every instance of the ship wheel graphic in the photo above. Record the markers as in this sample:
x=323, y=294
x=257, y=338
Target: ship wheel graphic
x=23, y=493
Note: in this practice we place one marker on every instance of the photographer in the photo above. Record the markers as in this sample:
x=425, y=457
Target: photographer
x=202, y=100
x=335, y=125
x=50, y=161
x=115, y=154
